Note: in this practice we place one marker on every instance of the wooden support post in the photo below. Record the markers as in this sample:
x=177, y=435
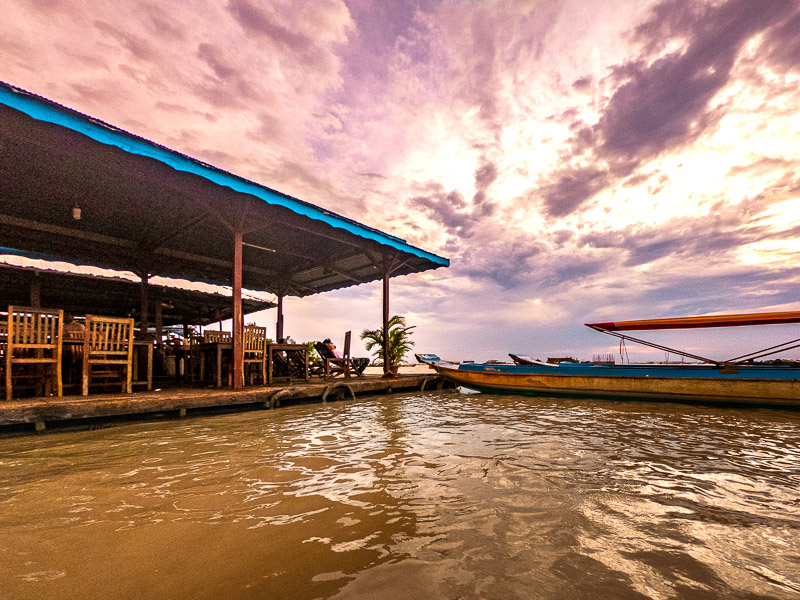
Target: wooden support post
x=238, y=324
x=188, y=373
x=36, y=291
x=159, y=318
x=279, y=323
x=385, y=320
x=144, y=320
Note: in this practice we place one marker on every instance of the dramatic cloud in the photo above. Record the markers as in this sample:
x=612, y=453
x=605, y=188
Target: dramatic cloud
x=666, y=102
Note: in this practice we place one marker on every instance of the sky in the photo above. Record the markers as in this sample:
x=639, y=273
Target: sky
x=576, y=161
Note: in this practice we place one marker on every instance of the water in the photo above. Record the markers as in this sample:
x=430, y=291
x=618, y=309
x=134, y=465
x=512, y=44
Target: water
x=417, y=496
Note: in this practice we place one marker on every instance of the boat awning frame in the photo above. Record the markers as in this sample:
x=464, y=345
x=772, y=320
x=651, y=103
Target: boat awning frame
x=703, y=322
x=706, y=321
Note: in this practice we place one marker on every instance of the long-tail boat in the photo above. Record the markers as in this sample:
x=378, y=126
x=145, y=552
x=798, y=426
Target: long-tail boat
x=738, y=380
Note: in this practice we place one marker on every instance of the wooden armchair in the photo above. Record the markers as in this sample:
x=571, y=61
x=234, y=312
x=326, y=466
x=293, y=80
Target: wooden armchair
x=255, y=352
x=107, y=351
x=335, y=365
x=33, y=341
x=317, y=367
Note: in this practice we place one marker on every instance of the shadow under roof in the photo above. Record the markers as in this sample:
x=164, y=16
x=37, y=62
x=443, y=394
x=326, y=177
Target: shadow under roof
x=83, y=289
x=151, y=210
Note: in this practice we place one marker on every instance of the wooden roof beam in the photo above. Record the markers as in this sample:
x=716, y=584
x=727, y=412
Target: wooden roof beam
x=99, y=238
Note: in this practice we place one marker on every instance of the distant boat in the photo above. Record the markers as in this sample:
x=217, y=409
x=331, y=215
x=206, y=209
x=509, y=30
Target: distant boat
x=737, y=380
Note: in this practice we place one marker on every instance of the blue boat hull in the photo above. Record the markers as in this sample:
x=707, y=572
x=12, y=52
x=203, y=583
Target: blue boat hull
x=764, y=385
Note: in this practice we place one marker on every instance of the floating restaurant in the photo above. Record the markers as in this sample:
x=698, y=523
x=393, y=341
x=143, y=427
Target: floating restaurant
x=76, y=190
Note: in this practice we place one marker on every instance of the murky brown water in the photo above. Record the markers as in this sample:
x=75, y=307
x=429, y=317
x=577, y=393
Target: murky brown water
x=420, y=496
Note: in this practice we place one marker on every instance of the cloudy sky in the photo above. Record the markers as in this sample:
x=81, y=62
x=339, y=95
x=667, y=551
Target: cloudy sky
x=576, y=161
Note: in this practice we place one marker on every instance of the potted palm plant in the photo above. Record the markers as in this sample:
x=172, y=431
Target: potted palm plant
x=399, y=342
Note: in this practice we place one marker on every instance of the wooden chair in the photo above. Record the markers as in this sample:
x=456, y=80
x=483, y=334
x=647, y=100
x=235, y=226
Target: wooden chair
x=33, y=341
x=107, y=351
x=215, y=359
x=282, y=367
x=194, y=358
x=217, y=337
x=291, y=364
x=254, y=341
x=335, y=365
x=317, y=367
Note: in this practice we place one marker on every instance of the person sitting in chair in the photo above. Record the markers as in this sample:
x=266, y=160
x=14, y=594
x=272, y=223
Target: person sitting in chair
x=330, y=346
x=359, y=364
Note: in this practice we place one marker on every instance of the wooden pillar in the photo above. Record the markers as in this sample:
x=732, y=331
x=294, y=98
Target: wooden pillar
x=36, y=291
x=159, y=318
x=188, y=374
x=279, y=323
x=386, y=322
x=237, y=325
x=144, y=321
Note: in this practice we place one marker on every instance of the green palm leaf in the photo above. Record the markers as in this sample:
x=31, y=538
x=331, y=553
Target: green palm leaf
x=399, y=340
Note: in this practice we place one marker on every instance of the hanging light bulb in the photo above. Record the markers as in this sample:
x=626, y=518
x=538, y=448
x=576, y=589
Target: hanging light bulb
x=76, y=212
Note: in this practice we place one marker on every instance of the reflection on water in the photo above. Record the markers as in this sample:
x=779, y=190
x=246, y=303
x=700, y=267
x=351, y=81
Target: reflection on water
x=420, y=496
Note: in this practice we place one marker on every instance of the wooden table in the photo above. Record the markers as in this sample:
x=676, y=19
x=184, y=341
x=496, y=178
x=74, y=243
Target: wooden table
x=216, y=349
x=291, y=351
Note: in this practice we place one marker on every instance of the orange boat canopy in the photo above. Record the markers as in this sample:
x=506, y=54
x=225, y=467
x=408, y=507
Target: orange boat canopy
x=771, y=318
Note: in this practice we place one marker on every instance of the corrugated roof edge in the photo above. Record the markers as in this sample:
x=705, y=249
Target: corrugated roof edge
x=43, y=109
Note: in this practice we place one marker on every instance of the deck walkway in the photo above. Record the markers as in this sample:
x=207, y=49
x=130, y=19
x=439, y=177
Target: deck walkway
x=36, y=413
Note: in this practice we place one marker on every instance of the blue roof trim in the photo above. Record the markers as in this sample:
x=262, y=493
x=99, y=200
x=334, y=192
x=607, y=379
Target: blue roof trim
x=48, y=111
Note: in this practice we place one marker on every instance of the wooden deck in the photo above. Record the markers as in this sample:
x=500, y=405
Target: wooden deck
x=35, y=414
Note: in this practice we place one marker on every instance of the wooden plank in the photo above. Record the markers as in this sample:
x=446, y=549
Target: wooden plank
x=29, y=411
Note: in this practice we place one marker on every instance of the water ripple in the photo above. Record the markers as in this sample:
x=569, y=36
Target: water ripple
x=428, y=495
